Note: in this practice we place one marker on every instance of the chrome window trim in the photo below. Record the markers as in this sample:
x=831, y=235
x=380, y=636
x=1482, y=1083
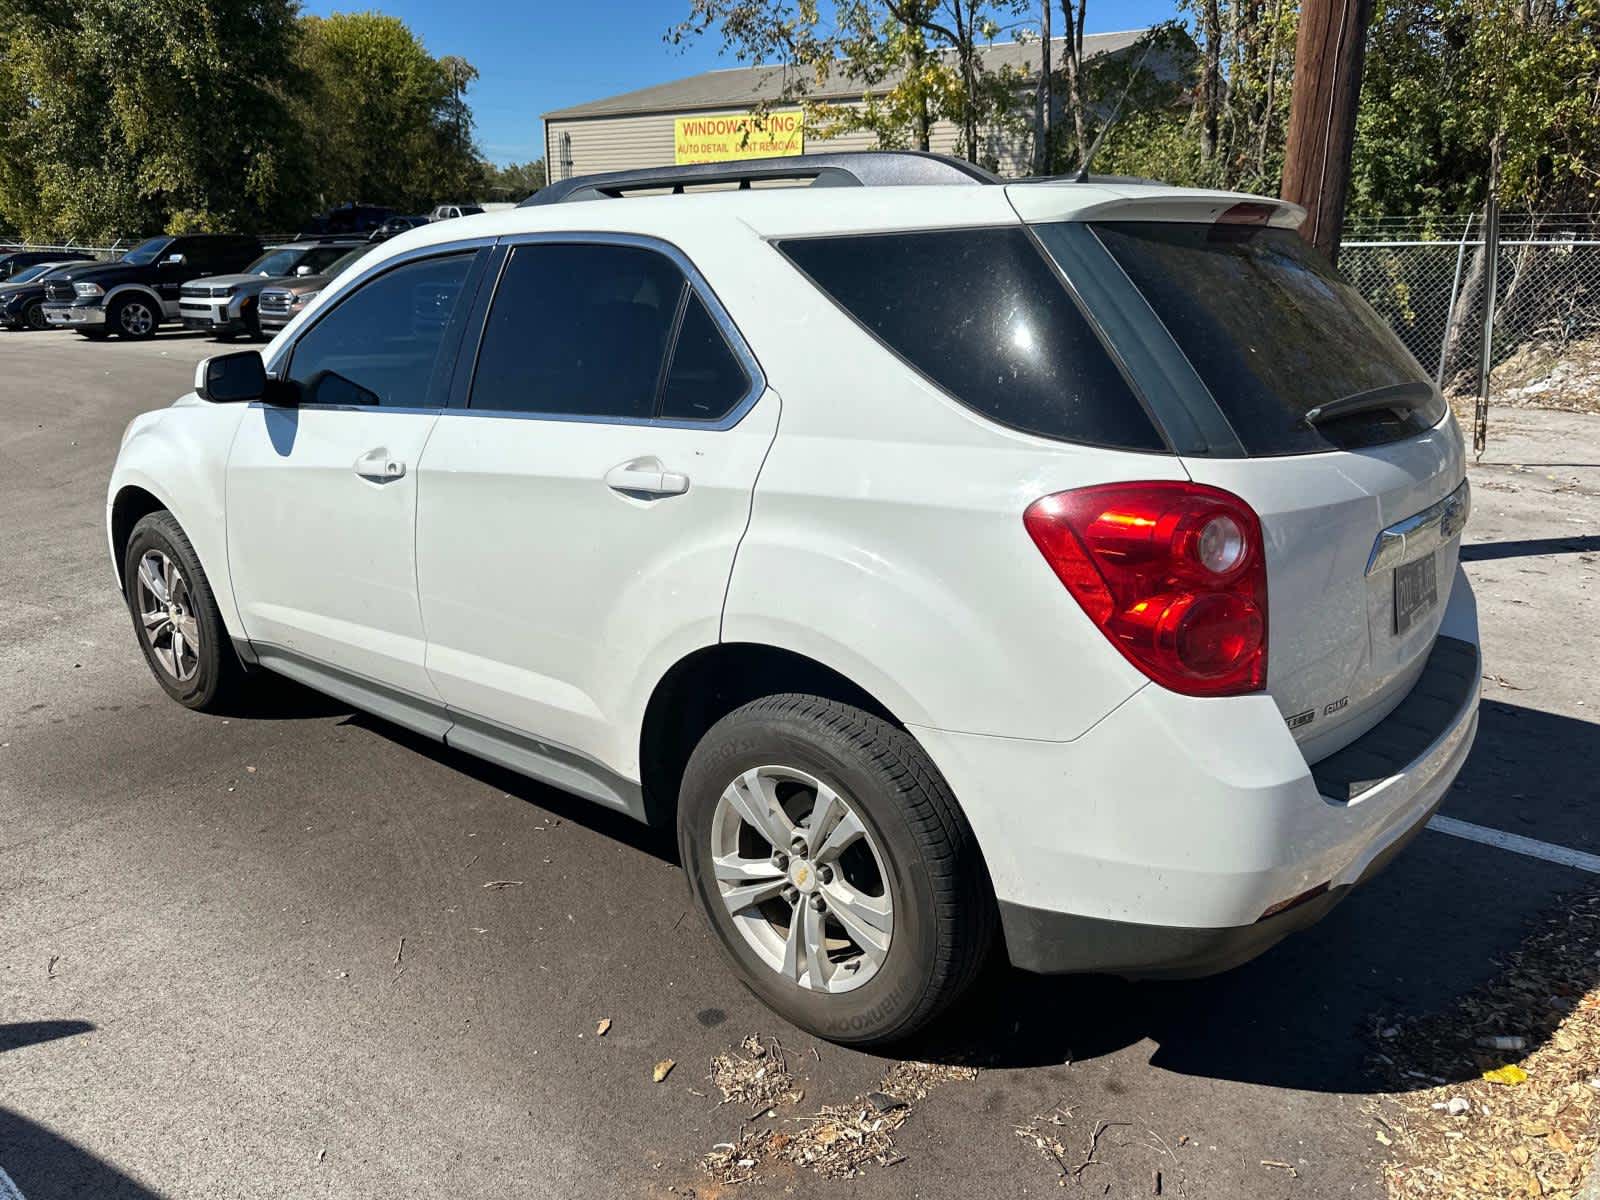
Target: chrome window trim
x=1423, y=532
x=697, y=282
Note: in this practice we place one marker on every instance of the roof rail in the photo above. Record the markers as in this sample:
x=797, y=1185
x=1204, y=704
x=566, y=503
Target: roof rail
x=866, y=168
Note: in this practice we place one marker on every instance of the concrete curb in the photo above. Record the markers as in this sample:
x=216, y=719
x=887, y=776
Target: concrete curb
x=1590, y=1188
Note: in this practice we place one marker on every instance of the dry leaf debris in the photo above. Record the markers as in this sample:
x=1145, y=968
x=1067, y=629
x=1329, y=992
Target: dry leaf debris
x=1515, y=1123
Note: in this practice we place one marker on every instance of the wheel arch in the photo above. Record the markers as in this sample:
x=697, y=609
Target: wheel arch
x=131, y=504
x=176, y=459
x=705, y=685
x=145, y=290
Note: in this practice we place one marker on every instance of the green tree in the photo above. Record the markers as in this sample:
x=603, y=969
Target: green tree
x=514, y=181
x=1452, y=85
x=917, y=61
x=387, y=117
x=125, y=116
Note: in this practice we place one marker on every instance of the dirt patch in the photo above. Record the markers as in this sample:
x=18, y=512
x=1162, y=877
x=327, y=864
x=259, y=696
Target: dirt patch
x=1526, y=1048
x=1543, y=375
x=837, y=1141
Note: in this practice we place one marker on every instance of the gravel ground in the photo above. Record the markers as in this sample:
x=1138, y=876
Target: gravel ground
x=255, y=958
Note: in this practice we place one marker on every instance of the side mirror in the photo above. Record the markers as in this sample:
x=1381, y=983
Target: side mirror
x=235, y=378
x=174, y=260
x=302, y=271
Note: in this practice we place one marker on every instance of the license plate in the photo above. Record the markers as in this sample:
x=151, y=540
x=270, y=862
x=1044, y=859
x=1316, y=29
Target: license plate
x=1416, y=590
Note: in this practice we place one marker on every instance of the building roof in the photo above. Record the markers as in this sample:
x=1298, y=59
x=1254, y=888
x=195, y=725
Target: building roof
x=741, y=88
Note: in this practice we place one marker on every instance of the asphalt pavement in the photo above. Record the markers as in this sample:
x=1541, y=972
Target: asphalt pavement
x=256, y=957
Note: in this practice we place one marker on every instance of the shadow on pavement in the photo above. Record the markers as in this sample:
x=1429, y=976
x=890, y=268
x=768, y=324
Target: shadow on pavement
x=660, y=843
x=44, y=1166
x=28, y=1033
x=1410, y=942
x=1529, y=547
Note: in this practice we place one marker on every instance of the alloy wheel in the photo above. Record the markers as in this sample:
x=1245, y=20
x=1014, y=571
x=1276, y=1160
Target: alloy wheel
x=34, y=317
x=802, y=878
x=166, y=615
x=136, y=318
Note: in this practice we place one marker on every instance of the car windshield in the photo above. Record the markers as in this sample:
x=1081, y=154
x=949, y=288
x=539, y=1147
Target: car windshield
x=341, y=263
x=276, y=262
x=146, y=252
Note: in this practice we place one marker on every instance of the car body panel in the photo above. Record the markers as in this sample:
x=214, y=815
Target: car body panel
x=569, y=599
x=323, y=560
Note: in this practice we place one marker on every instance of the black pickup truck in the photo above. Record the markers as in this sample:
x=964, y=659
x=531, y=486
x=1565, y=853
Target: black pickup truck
x=133, y=295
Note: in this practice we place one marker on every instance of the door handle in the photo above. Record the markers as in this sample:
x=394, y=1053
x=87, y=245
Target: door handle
x=378, y=465
x=646, y=477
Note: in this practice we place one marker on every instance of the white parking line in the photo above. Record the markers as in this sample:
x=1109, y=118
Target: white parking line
x=1517, y=844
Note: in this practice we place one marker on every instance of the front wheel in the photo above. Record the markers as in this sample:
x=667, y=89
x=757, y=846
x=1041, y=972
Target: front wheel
x=835, y=867
x=175, y=616
x=134, y=317
x=33, y=316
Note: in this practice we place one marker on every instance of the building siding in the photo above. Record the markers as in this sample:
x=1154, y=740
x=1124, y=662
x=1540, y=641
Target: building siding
x=587, y=146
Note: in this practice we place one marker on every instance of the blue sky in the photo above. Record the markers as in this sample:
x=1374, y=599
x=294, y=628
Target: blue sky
x=538, y=57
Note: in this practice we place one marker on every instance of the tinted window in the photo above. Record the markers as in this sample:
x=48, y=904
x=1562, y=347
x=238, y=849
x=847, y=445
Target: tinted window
x=578, y=330
x=1271, y=329
x=381, y=343
x=704, y=380
x=146, y=252
x=983, y=315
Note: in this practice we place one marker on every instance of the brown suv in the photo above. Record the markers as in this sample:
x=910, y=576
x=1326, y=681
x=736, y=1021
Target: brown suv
x=280, y=303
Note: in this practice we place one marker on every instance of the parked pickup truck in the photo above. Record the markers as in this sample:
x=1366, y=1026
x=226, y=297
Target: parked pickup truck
x=225, y=305
x=134, y=295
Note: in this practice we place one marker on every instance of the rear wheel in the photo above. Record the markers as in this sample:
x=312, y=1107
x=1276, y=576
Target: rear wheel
x=175, y=616
x=134, y=317
x=835, y=867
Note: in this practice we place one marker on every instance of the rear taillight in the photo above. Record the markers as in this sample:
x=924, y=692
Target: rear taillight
x=1174, y=574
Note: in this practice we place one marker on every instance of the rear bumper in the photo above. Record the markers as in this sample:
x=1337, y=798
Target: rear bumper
x=1183, y=837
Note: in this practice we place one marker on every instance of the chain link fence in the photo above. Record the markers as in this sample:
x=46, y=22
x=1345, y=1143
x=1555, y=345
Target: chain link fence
x=1506, y=306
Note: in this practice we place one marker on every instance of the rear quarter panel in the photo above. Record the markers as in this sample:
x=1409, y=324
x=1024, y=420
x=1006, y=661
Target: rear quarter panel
x=886, y=536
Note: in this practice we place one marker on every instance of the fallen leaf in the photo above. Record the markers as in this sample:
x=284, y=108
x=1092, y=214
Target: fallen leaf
x=1508, y=1076
x=663, y=1069
x=1384, y=1138
x=601, y=1029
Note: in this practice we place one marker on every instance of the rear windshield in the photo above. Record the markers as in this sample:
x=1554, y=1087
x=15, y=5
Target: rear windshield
x=981, y=314
x=1272, y=330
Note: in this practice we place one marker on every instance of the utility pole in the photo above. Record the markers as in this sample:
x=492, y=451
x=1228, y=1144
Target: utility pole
x=1328, y=55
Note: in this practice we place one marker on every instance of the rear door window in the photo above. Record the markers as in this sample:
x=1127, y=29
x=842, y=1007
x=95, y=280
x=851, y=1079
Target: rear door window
x=1272, y=330
x=603, y=331
x=984, y=316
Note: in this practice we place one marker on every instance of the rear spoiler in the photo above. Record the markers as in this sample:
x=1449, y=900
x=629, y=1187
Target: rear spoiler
x=1050, y=202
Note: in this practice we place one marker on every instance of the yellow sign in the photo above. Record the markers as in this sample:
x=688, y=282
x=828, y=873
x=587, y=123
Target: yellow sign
x=728, y=137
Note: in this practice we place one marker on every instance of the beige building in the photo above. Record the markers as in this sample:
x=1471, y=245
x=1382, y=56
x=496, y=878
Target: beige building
x=705, y=118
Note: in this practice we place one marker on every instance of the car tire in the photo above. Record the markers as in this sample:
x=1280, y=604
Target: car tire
x=33, y=317
x=906, y=915
x=134, y=318
x=166, y=589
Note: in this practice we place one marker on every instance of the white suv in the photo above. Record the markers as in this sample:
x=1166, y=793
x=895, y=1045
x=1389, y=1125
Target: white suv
x=1075, y=561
